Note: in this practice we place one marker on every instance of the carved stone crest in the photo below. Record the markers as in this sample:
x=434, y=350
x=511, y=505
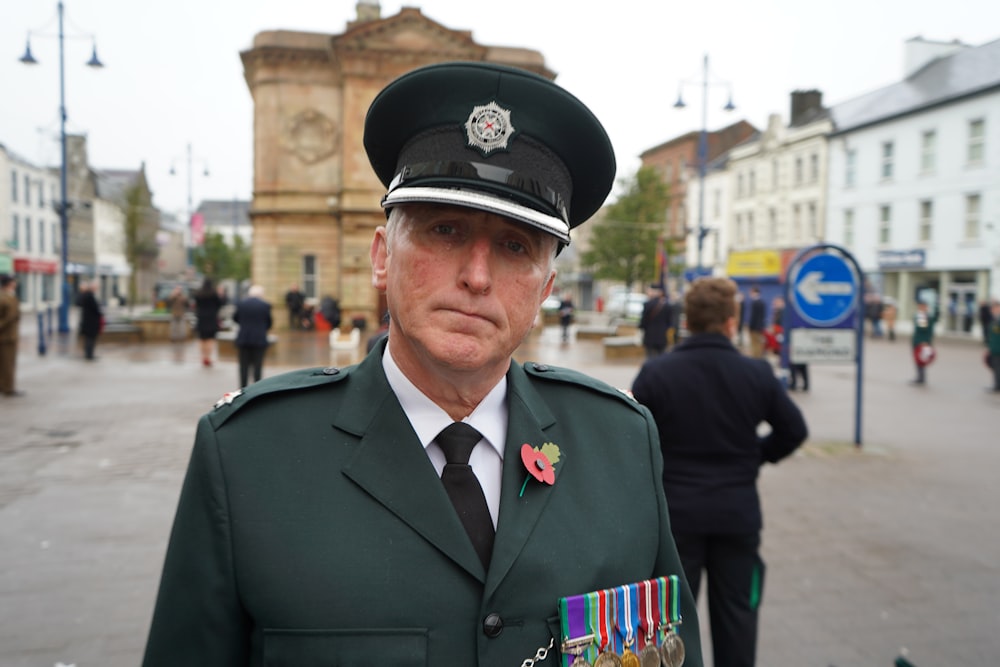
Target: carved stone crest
x=311, y=136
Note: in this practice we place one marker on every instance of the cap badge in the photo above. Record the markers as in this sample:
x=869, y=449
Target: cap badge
x=488, y=128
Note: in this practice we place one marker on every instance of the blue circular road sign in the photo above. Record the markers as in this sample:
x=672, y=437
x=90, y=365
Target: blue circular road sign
x=824, y=290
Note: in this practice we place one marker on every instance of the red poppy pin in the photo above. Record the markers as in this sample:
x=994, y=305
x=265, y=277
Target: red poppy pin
x=540, y=463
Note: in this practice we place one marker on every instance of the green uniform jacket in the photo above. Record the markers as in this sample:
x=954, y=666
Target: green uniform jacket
x=994, y=337
x=312, y=528
x=924, y=332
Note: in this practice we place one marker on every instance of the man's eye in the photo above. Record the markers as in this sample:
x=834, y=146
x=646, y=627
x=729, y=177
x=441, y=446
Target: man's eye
x=444, y=230
x=517, y=247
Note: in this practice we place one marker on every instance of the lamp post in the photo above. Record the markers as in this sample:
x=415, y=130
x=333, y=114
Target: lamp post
x=703, y=144
x=189, y=160
x=63, y=205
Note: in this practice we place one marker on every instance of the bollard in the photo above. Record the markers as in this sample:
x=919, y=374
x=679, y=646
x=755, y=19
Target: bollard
x=41, y=335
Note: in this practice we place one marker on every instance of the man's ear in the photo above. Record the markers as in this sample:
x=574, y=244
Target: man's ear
x=379, y=255
x=548, y=287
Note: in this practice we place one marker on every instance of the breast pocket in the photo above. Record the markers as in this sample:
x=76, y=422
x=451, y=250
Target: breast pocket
x=404, y=647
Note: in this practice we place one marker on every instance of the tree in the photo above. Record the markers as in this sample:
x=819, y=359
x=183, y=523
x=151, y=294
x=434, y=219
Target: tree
x=216, y=258
x=140, y=235
x=623, y=246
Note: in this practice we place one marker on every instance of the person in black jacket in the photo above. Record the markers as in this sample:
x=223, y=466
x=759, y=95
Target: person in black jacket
x=655, y=321
x=707, y=400
x=90, y=319
x=757, y=323
x=253, y=315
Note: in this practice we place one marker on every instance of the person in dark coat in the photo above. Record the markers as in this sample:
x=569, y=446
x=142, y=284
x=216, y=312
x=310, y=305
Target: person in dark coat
x=207, y=304
x=986, y=318
x=708, y=400
x=91, y=318
x=329, y=308
x=253, y=315
x=566, y=311
x=922, y=340
x=655, y=321
x=326, y=517
x=295, y=301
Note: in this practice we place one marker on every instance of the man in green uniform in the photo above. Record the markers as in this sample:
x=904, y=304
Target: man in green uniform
x=923, y=340
x=993, y=342
x=431, y=505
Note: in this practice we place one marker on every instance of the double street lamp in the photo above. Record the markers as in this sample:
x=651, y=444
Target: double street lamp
x=63, y=205
x=703, y=144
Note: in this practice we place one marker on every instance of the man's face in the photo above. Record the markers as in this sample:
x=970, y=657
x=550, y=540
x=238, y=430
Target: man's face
x=463, y=286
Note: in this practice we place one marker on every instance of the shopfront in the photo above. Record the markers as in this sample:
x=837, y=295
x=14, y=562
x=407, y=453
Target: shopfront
x=37, y=281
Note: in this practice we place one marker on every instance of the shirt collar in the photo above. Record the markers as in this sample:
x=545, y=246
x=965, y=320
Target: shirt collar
x=427, y=419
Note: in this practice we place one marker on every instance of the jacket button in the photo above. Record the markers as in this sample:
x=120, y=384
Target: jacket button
x=541, y=368
x=331, y=370
x=492, y=626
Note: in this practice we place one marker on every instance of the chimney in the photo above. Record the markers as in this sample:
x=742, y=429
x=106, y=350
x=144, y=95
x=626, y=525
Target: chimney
x=919, y=52
x=368, y=10
x=805, y=103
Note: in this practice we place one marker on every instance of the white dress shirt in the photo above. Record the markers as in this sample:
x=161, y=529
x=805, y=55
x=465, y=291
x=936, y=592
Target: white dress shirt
x=427, y=420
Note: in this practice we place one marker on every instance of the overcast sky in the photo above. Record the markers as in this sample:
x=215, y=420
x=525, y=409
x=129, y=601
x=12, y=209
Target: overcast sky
x=173, y=75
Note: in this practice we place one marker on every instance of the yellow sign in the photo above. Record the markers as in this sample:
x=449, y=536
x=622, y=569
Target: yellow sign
x=755, y=263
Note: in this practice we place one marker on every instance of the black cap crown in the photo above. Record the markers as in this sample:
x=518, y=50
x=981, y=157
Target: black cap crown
x=493, y=138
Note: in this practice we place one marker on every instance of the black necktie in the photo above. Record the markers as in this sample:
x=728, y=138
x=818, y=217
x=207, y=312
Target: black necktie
x=457, y=442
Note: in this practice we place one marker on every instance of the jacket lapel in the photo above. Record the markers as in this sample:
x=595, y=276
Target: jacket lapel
x=528, y=418
x=391, y=466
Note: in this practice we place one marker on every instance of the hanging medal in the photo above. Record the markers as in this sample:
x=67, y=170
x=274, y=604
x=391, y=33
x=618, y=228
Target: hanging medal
x=626, y=617
x=577, y=635
x=605, y=635
x=649, y=623
x=671, y=645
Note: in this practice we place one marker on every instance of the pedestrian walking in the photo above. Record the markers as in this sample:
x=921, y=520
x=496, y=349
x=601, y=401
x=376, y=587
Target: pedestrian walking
x=178, y=305
x=207, y=304
x=655, y=321
x=708, y=401
x=432, y=504
x=566, y=310
x=994, y=343
x=295, y=301
x=253, y=315
x=922, y=340
x=889, y=313
x=91, y=319
x=10, y=321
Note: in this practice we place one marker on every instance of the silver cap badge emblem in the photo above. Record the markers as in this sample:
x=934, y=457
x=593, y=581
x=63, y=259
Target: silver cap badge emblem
x=488, y=128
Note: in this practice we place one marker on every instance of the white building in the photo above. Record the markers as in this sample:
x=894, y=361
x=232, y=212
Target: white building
x=29, y=230
x=914, y=188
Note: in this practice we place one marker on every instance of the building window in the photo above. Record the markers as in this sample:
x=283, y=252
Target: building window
x=887, y=152
x=309, y=276
x=774, y=174
x=813, y=168
x=796, y=223
x=798, y=171
x=849, y=227
x=977, y=141
x=972, y=205
x=813, y=226
x=41, y=236
x=56, y=239
x=739, y=185
x=928, y=142
x=772, y=226
x=27, y=235
x=850, y=167
x=884, y=224
x=13, y=186
x=41, y=194
x=27, y=190
x=751, y=234
x=15, y=232
x=753, y=182
x=926, y=220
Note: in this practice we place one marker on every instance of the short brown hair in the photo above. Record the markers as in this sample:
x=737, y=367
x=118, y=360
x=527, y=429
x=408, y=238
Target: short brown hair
x=708, y=305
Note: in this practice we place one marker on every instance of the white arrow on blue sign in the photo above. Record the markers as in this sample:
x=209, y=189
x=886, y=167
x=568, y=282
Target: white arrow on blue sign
x=825, y=290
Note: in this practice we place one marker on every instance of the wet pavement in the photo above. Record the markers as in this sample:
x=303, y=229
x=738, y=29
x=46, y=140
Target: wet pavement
x=871, y=551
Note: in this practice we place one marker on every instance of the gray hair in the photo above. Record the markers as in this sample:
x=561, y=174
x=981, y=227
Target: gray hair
x=256, y=291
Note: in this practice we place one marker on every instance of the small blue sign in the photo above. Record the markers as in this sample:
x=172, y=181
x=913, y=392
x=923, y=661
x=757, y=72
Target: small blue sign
x=825, y=291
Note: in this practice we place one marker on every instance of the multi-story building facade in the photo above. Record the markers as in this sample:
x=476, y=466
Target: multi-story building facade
x=677, y=162
x=778, y=185
x=229, y=218
x=30, y=239
x=915, y=181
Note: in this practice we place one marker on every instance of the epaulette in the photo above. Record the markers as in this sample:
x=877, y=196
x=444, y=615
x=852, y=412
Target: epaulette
x=558, y=374
x=233, y=401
